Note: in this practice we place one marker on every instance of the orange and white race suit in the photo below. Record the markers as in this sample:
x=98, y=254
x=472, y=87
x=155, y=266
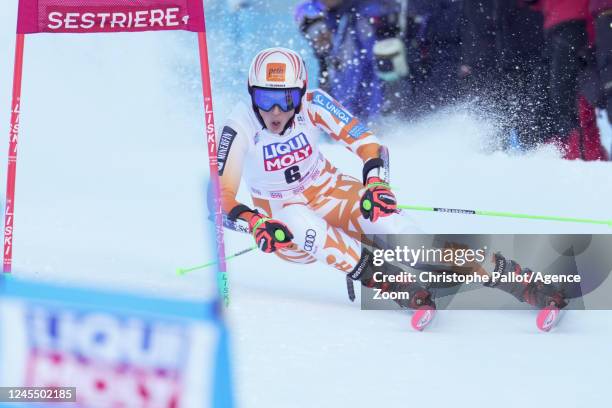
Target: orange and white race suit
x=290, y=180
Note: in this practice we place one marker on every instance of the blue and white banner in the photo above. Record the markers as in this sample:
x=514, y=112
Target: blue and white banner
x=118, y=350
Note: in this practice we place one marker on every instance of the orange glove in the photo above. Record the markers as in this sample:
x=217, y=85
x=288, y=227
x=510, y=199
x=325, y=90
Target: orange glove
x=270, y=234
x=378, y=200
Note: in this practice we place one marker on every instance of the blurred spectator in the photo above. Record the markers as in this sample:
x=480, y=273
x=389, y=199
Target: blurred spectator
x=345, y=45
x=390, y=57
x=566, y=36
x=571, y=119
x=601, y=11
x=479, y=52
x=502, y=65
x=524, y=59
x=433, y=42
x=310, y=17
x=523, y=72
x=415, y=46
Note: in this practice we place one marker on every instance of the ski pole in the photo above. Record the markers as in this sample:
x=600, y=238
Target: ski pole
x=182, y=271
x=506, y=214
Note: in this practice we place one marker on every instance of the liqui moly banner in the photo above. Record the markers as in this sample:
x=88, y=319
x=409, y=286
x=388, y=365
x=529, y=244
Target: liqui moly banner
x=117, y=350
x=95, y=16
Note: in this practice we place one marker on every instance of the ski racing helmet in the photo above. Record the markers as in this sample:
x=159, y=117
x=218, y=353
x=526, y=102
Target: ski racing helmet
x=277, y=77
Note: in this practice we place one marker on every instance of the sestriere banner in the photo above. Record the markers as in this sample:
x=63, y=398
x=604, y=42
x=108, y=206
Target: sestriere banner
x=106, y=16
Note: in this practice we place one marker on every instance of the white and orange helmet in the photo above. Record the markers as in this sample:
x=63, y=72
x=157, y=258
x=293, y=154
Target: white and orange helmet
x=278, y=68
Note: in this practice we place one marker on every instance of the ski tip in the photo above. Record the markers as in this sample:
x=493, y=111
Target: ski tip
x=422, y=317
x=547, y=318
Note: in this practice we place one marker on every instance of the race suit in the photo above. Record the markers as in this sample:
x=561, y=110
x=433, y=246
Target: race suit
x=290, y=180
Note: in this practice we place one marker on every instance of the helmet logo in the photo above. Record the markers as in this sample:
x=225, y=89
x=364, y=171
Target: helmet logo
x=275, y=72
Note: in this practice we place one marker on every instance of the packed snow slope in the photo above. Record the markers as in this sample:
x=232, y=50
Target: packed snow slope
x=111, y=177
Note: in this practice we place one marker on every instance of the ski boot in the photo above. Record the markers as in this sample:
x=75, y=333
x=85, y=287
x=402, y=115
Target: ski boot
x=546, y=297
x=419, y=299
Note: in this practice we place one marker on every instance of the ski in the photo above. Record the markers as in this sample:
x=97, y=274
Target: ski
x=548, y=318
x=422, y=318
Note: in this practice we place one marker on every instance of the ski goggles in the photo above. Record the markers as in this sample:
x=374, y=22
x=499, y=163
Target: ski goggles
x=286, y=99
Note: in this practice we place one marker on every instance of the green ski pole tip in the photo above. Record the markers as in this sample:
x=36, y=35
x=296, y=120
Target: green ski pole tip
x=279, y=234
x=367, y=205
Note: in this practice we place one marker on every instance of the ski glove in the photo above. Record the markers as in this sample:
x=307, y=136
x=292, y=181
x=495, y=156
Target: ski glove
x=269, y=234
x=378, y=200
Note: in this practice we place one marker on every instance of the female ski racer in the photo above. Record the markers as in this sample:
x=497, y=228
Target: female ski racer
x=304, y=210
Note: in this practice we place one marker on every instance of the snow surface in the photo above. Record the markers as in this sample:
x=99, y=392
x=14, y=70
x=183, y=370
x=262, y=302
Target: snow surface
x=110, y=192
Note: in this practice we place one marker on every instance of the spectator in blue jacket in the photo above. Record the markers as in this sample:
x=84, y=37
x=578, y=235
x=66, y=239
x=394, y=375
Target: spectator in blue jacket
x=343, y=34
